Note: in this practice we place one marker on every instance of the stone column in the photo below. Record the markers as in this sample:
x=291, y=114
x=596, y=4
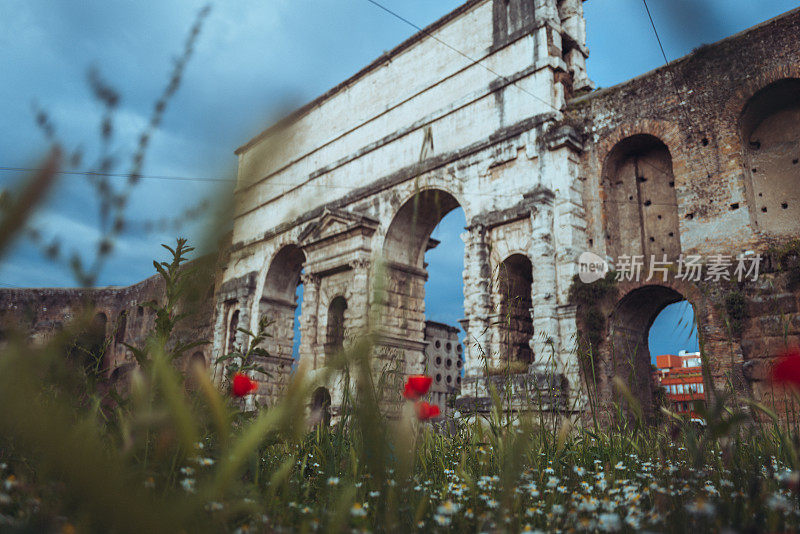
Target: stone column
x=359, y=304
x=570, y=225
x=308, y=320
x=545, y=343
x=477, y=300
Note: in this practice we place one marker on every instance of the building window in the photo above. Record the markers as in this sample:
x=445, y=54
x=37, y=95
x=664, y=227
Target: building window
x=335, y=337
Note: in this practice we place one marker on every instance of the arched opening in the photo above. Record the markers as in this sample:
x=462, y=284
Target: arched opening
x=334, y=336
x=408, y=237
x=640, y=205
x=281, y=299
x=675, y=358
x=321, y=407
x=629, y=340
x=513, y=282
x=770, y=131
x=424, y=255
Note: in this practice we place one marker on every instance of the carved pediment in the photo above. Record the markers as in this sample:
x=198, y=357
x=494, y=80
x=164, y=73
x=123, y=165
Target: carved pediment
x=334, y=223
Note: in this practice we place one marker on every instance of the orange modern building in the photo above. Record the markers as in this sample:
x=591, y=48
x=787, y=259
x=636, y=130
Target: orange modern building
x=681, y=376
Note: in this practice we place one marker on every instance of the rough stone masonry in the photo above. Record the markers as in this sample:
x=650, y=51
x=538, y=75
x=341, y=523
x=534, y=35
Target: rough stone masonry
x=699, y=157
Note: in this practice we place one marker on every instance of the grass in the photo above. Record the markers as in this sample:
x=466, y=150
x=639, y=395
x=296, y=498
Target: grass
x=175, y=458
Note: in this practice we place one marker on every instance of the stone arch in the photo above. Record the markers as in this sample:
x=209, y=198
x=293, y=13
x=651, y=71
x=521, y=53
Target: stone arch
x=407, y=238
x=625, y=351
x=640, y=205
x=335, y=325
x=321, y=407
x=769, y=131
x=278, y=298
x=407, y=235
x=512, y=291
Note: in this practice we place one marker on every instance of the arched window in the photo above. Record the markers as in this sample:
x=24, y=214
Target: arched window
x=770, y=131
x=336, y=326
x=640, y=204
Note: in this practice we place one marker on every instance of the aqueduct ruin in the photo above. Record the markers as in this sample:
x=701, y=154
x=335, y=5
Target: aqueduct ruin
x=699, y=157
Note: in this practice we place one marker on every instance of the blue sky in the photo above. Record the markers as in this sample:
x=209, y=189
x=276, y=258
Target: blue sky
x=253, y=59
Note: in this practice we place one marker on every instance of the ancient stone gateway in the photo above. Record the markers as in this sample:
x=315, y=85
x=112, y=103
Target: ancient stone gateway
x=699, y=157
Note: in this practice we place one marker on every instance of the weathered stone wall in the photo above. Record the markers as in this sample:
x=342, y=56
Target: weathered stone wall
x=122, y=311
x=690, y=159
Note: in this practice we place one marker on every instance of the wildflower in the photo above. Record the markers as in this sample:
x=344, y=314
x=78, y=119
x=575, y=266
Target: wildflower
x=448, y=507
x=579, y=470
x=10, y=483
x=358, y=510
x=205, y=462
x=427, y=411
x=552, y=482
x=491, y=503
x=333, y=481
x=557, y=509
x=633, y=520
x=374, y=494
x=787, y=368
x=188, y=484
x=709, y=487
x=469, y=514
x=441, y=520
x=588, y=505
x=242, y=385
x=417, y=386
x=779, y=503
x=608, y=522
x=188, y=471
x=700, y=507
x=150, y=483
x=620, y=466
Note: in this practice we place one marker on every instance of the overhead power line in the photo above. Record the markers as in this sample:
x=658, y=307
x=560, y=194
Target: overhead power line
x=671, y=72
x=123, y=175
x=459, y=52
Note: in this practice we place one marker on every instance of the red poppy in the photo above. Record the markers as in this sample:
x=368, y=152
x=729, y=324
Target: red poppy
x=787, y=368
x=427, y=411
x=242, y=385
x=417, y=386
